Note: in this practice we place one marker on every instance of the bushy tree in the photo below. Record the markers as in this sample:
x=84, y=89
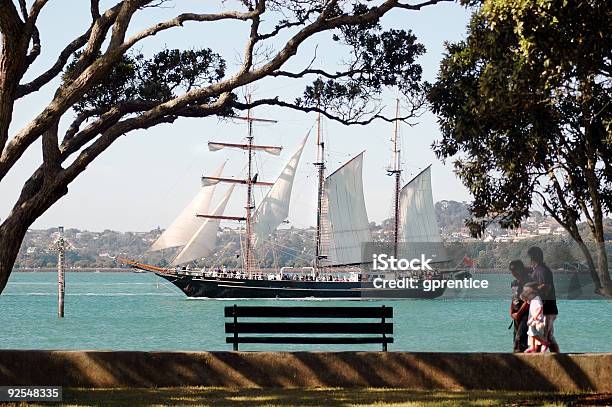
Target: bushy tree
x=524, y=106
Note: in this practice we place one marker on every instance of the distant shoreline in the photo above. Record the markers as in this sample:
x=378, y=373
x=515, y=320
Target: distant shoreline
x=76, y=270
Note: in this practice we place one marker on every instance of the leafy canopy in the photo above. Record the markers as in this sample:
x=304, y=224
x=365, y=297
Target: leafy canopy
x=377, y=60
x=158, y=79
x=524, y=108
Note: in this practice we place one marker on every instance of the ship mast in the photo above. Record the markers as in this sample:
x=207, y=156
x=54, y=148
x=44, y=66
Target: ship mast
x=250, y=205
x=320, y=164
x=250, y=182
x=397, y=173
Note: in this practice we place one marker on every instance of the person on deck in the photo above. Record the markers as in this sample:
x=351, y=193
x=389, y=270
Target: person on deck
x=519, y=309
x=546, y=288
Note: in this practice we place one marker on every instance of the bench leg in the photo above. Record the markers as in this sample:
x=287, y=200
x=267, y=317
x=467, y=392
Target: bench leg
x=384, y=344
x=235, y=328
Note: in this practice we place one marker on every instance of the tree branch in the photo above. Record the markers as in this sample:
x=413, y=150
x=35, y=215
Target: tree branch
x=95, y=9
x=10, y=22
x=313, y=109
x=122, y=22
x=93, y=37
x=179, y=20
x=253, y=36
x=419, y=6
x=35, y=50
x=31, y=31
x=74, y=141
x=50, y=150
x=98, y=33
x=57, y=67
x=12, y=57
x=24, y=9
x=318, y=72
x=125, y=126
x=36, y=8
x=78, y=121
x=289, y=24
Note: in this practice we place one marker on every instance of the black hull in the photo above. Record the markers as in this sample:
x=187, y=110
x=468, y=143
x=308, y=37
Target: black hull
x=223, y=288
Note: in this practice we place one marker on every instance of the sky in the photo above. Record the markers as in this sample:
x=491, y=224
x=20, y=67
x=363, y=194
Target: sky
x=146, y=177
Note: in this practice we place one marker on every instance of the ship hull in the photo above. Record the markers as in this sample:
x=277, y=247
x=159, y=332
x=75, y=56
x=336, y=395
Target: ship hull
x=223, y=288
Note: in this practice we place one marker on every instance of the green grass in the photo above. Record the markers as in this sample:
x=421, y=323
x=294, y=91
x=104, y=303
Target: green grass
x=207, y=396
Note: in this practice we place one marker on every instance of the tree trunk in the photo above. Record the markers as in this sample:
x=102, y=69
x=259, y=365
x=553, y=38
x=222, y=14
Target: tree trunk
x=12, y=232
x=599, y=274
x=570, y=225
x=36, y=197
x=13, y=50
x=598, y=234
x=590, y=263
x=591, y=135
x=602, y=267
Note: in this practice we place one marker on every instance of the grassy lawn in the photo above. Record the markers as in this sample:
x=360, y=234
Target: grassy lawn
x=206, y=396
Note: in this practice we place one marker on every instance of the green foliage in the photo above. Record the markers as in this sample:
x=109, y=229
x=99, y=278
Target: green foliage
x=155, y=79
x=379, y=59
x=525, y=98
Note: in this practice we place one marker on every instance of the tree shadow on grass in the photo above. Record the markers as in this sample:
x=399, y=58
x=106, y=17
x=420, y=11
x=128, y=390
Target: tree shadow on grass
x=319, y=397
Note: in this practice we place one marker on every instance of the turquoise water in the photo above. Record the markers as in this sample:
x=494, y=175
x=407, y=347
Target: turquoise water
x=128, y=311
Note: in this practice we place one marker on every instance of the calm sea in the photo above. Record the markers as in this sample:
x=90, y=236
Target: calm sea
x=129, y=311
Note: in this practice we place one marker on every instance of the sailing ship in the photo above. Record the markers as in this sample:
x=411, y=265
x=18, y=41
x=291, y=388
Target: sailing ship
x=338, y=270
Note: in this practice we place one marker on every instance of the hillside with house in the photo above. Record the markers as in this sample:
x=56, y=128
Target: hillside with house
x=291, y=246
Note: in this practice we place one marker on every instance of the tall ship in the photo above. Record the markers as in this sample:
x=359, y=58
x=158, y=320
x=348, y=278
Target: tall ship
x=339, y=269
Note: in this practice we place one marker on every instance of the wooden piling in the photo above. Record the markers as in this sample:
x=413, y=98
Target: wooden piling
x=60, y=246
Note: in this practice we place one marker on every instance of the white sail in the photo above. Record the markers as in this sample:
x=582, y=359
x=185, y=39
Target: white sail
x=274, y=208
x=203, y=242
x=209, y=182
x=187, y=223
x=417, y=212
x=418, y=228
x=346, y=214
x=212, y=146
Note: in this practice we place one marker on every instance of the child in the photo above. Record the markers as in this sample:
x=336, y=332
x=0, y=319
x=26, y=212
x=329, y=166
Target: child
x=536, y=331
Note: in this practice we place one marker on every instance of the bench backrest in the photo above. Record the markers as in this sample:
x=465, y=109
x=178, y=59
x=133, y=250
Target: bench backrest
x=381, y=328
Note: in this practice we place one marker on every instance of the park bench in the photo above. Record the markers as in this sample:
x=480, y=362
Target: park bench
x=335, y=332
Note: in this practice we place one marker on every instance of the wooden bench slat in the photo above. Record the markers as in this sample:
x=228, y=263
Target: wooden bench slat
x=360, y=331
x=309, y=328
x=307, y=340
x=308, y=312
